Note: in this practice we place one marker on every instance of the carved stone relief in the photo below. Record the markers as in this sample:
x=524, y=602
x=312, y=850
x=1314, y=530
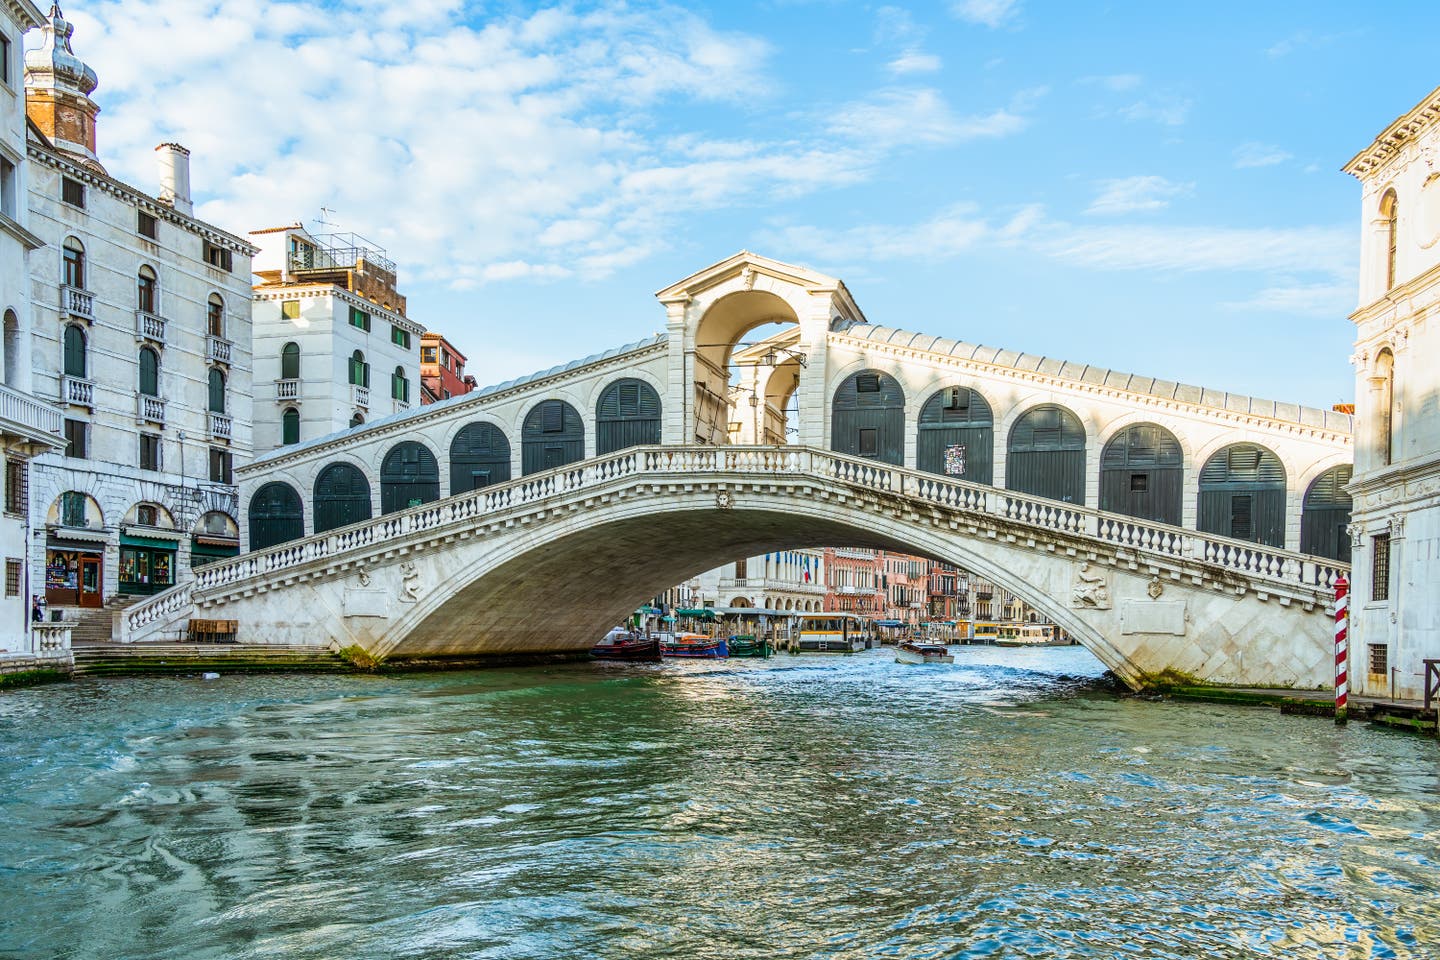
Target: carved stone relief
x=409, y=582
x=1090, y=589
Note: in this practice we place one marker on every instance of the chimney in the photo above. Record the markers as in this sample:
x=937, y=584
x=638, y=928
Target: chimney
x=175, y=176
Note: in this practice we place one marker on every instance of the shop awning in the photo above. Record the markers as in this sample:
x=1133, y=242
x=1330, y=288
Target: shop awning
x=703, y=613
x=755, y=612
x=889, y=623
x=232, y=543
x=139, y=532
x=71, y=546
x=79, y=533
x=154, y=543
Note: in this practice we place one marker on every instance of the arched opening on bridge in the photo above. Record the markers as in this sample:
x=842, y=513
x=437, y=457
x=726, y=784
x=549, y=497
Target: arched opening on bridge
x=342, y=497
x=479, y=456
x=553, y=435
x=1142, y=474
x=1242, y=495
x=778, y=408
x=867, y=417
x=626, y=415
x=957, y=417
x=1046, y=455
x=1325, y=516
x=718, y=333
x=409, y=476
x=277, y=515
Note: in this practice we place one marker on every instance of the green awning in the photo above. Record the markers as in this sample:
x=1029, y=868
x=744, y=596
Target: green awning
x=154, y=543
x=703, y=613
x=199, y=548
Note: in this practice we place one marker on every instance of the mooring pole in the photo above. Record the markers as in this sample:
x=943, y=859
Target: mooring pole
x=1342, y=648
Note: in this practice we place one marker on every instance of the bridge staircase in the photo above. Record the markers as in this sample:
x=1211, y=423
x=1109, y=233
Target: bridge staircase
x=98, y=625
x=103, y=658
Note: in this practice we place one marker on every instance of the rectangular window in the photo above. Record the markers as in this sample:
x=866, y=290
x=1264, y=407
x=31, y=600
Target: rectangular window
x=1139, y=482
x=552, y=417
x=219, y=465
x=146, y=225
x=72, y=192
x=359, y=318
x=149, y=451
x=289, y=309
x=869, y=442
x=867, y=383
x=7, y=188
x=17, y=487
x=12, y=577
x=72, y=509
x=218, y=257
x=76, y=439
x=1380, y=567
x=740, y=570
x=1241, y=517
x=5, y=60
x=74, y=268
x=399, y=337
x=427, y=354
x=1379, y=658
x=215, y=317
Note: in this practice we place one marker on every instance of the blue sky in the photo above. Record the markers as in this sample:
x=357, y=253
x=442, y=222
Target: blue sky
x=1149, y=187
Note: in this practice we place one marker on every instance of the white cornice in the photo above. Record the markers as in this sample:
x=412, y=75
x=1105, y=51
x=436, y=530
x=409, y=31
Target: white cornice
x=26, y=238
x=26, y=14
x=305, y=291
x=1394, y=138
x=1426, y=283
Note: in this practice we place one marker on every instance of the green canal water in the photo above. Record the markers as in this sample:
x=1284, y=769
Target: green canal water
x=1008, y=806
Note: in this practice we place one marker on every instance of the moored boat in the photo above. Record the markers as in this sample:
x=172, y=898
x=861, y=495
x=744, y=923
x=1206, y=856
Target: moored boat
x=1033, y=635
x=920, y=652
x=695, y=645
x=745, y=645
x=842, y=633
x=623, y=645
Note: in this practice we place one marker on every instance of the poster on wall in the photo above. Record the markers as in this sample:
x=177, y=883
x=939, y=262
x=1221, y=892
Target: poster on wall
x=955, y=460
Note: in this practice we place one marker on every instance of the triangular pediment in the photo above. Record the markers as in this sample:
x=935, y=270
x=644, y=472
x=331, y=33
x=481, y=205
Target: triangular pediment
x=730, y=267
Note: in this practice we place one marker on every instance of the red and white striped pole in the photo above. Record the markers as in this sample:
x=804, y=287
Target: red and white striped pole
x=1342, y=648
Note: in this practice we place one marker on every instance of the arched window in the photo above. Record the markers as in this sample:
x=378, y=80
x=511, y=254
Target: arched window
x=290, y=426
x=1142, y=474
x=73, y=265
x=1325, y=515
x=1242, y=495
x=1047, y=454
x=479, y=456
x=75, y=359
x=217, y=390
x=627, y=415
x=146, y=290
x=552, y=435
x=956, y=417
x=215, y=316
x=867, y=417
x=1383, y=397
x=1390, y=214
x=342, y=497
x=399, y=385
x=290, y=361
x=12, y=349
x=359, y=370
x=358, y=419
x=409, y=476
x=276, y=515
x=149, y=372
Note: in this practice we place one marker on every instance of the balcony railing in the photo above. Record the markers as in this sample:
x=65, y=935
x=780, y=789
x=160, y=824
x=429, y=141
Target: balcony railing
x=287, y=390
x=149, y=409
x=26, y=411
x=402, y=405
x=220, y=426
x=149, y=327
x=217, y=349
x=74, y=390
x=75, y=302
x=360, y=395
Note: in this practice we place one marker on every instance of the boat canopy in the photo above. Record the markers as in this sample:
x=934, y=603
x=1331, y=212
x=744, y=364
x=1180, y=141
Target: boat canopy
x=700, y=613
x=755, y=612
x=889, y=623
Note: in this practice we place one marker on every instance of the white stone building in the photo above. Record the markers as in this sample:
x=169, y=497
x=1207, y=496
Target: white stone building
x=28, y=426
x=1396, y=486
x=141, y=320
x=788, y=581
x=333, y=347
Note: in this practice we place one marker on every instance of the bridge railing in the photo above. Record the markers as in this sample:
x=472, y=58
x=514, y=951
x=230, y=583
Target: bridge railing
x=693, y=463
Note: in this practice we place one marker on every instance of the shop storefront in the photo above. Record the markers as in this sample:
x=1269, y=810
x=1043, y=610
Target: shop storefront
x=206, y=549
x=147, y=564
x=74, y=573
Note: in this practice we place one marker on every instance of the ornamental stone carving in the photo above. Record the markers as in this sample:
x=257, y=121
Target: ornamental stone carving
x=1397, y=527
x=409, y=582
x=724, y=500
x=1090, y=588
x=1156, y=588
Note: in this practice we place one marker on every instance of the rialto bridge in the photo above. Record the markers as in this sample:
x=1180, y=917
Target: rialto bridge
x=1168, y=527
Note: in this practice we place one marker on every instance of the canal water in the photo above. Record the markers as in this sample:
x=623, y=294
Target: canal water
x=1009, y=806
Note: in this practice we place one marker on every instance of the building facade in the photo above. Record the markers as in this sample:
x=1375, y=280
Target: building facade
x=790, y=581
x=1395, y=530
x=326, y=314
x=442, y=370
x=855, y=581
x=28, y=426
x=141, y=335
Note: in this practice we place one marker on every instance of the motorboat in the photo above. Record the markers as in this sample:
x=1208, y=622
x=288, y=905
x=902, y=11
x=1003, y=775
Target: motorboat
x=626, y=645
x=746, y=645
x=695, y=645
x=918, y=651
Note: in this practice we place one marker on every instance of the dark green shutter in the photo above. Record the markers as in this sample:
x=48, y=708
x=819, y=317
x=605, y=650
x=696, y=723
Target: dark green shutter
x=479, y=455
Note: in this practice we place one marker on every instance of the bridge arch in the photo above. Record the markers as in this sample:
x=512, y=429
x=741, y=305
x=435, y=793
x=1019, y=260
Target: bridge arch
x=1045, y=454
x=627, y=414
x=867, y=417
x=713, y=339
x=479, y=456
x=342, y=496
x=276, y=515
x=552, y=435
x=957, y=414
x=1241, y=494
x=1142, y=474
x=409, y=476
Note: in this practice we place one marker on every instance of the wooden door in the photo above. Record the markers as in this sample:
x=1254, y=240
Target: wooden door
x=90, y=589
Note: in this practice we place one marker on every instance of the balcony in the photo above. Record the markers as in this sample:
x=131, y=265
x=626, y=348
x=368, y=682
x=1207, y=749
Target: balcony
x=402, y=405
x=32, y=417
x=149, y=409
x=219, y=426
x=217, y=349
x=287, y=391
x=77, y=392
x=77, y=303
x=149, y=327
x=360, y=396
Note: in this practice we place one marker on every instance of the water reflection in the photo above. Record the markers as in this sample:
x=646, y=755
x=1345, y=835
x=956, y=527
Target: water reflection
x=804, y=807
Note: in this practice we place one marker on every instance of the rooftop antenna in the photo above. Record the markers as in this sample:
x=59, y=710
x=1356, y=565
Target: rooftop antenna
x=325, y=221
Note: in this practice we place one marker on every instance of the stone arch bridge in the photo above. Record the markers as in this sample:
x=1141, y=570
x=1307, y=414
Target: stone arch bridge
x=1168, y=527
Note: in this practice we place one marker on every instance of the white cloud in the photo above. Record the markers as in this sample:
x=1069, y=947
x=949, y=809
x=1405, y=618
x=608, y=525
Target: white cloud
x=990, y=13
x=1259, y=155
x=921, y=115
x=913, y=62
x=1115, y=82
x=1187, y=249
x=1163, y=109
x=1136, y=195
x=1310, y=300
